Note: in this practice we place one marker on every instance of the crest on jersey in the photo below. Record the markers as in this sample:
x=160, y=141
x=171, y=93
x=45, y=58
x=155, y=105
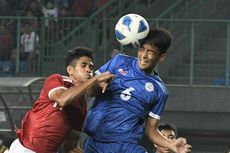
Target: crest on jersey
x=123, y=72
x=149, y=86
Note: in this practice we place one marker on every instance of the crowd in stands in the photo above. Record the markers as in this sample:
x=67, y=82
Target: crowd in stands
x=38, y=8
x=9, y=9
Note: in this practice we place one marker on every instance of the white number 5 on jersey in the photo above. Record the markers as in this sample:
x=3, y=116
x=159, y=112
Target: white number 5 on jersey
x=126, y=94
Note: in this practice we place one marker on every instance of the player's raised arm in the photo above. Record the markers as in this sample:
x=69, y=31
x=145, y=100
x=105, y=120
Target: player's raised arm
x=178, y=146
x=65, y=97
x=101, y=85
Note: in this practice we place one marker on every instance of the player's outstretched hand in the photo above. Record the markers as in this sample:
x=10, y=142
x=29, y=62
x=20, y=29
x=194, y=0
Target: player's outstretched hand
x=103, y=80
x=181, y=146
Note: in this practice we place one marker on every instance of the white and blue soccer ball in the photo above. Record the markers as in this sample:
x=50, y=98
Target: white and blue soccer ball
x=131, y=29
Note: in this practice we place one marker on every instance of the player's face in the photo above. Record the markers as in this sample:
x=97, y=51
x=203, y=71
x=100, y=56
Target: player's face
x=170, y=134
x=82, y=71
x=148, y=56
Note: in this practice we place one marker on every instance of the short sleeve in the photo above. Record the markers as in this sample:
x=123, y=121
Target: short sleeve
x=53, y=83
x=159, y=107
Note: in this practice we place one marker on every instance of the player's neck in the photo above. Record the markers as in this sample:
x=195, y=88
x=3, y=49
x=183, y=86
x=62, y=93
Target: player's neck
x=149, y=71
x=75, y=81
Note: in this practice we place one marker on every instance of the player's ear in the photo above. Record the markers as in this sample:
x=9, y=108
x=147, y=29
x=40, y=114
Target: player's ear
x=69, y=69
x=162, y=57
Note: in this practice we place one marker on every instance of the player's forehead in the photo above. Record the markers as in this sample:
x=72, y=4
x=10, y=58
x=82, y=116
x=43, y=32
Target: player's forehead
x=151, y=47
x=84, y=60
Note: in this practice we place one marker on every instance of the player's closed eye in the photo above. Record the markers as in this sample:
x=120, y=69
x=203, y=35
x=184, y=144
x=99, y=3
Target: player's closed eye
x=149, y=51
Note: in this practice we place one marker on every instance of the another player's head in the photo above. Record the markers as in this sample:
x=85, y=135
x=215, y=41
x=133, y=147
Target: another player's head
x=79, y=64
x=169, y=131
x=153, y=49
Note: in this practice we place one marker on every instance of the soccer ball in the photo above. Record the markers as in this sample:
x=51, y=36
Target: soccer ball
x=131, y=29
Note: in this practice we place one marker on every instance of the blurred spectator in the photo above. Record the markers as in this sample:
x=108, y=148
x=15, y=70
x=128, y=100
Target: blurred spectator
x=64, y=25
x=49, y=10
x=51, y=31
x=63, y=3
x=33, y=6
x=63, y=12
x=5, y=9
x=33, y=9
x=6, y=44
x=100, y=3
x=18, y=6
x=33, y=22
x=28, y=13
x=29, y=44
x=82, y=8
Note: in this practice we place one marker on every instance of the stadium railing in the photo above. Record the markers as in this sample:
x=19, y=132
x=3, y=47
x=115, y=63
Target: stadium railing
x=17, y=95
x=201, y=48
x=196, y=60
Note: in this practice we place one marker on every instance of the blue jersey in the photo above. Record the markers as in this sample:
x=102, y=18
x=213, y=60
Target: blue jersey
x=118, y=115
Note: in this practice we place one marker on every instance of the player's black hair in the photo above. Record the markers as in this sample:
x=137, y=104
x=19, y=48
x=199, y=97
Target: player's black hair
x=159, y=37
x=167, y=126
x=76, y=53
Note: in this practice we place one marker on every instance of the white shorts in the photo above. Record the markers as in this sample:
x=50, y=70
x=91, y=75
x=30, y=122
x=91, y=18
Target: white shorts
x=17, y=147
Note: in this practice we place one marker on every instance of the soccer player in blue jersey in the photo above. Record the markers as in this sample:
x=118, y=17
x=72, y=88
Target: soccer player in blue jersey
x=115, y=122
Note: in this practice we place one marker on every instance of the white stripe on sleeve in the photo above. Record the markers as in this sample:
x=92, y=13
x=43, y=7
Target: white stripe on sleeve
x=54, y=89
x=154, y=116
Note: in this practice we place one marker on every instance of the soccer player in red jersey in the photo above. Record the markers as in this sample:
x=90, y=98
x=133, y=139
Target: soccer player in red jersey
x=60, y=107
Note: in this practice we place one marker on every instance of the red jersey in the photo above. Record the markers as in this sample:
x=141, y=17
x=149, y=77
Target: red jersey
x=45, y=126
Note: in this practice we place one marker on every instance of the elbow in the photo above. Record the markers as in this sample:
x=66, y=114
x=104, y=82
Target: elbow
x=62, y=102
